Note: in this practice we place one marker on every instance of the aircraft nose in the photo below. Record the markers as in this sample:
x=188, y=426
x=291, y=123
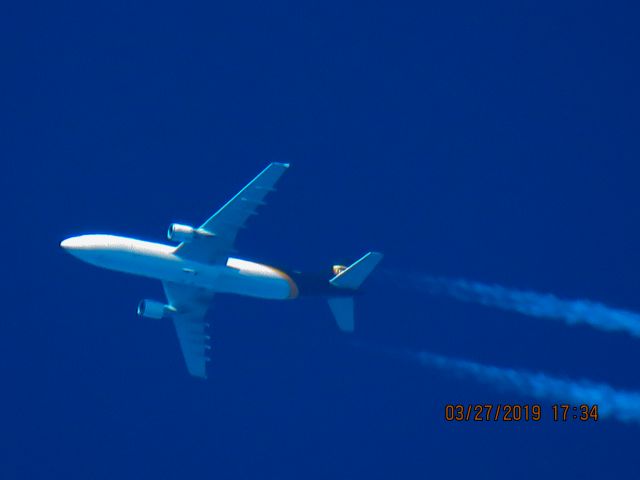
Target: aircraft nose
x=68, y=243
x=74, y=244
x=83, y=247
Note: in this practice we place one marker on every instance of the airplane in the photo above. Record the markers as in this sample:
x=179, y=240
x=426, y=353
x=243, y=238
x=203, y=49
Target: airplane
x=200, y=266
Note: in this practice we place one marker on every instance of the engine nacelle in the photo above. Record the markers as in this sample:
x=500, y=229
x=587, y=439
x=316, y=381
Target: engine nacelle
x=181, y=233
x=153, y=309
x=185, y=233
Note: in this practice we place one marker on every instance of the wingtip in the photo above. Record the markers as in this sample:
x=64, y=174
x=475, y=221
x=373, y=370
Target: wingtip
x=285, y=165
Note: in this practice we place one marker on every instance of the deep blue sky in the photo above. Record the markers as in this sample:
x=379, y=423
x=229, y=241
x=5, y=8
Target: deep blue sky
x=497, y=142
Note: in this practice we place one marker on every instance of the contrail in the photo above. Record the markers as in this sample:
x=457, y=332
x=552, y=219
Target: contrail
x=534, y=304
x=619, y=404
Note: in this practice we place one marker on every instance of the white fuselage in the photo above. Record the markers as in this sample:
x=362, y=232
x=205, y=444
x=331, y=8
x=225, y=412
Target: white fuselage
x=155, y=260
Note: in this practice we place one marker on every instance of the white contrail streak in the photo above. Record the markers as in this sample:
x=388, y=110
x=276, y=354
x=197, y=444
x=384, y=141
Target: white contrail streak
x=533, y=304
x=622, y=405
x=619, y=404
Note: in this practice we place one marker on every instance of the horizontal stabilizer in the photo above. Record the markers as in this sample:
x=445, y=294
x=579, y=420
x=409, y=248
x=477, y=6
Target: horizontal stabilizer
x=353, y=276
x=342, y=309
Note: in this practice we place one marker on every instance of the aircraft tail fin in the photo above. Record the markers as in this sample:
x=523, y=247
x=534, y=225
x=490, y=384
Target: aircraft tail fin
x=350, y=278
x=342, y=309
x=353, y=276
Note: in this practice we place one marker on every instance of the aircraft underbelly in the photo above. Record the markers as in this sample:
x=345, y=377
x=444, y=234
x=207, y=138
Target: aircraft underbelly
x=252, y=285
x=238, y=276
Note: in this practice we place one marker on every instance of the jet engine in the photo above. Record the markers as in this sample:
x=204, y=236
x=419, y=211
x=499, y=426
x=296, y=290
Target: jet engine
x=180, y=233
x=153, y=309
x=185, y=233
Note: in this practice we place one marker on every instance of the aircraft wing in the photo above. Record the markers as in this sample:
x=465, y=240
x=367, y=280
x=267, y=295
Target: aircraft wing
x=191, y=305
x=226, y=222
